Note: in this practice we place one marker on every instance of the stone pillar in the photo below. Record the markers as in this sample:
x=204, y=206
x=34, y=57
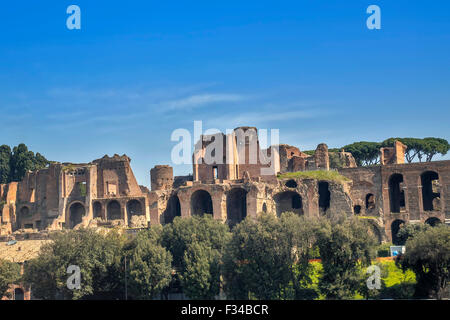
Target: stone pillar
x=321, y=157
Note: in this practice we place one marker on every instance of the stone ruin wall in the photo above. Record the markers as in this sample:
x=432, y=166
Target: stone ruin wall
x=45, y=199
x=50, y=194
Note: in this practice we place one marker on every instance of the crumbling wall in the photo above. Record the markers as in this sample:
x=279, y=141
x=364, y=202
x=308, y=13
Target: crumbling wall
x=393, y=155
x=161, y=177
x=341, y=159
x=321, y=157
x=115, y=177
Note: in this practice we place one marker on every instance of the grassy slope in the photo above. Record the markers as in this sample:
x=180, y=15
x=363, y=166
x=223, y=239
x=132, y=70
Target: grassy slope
x=317, y=175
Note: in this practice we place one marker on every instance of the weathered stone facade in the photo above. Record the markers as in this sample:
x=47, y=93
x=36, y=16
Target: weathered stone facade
x=68, y=195
x=105, y=192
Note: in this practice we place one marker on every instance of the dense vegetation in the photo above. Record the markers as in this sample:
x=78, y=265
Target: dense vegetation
x=260, y=258
x=368, y=153
x=9, y=273
x=428, y=255
x=16, y=162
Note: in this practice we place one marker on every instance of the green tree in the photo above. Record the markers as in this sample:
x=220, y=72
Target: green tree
x=414, y=147
x=365, y=153
x=149, y=270
x=197, y=245
x=346, y=246
x=201, y=279
x=408, y=231
x=97, y=254
x=421, y=148
x=23, y=160
x=433, y=146
x=9, y=274
x=5, y=166
x=428, y=256
x=183, y=231
x=298, y=239
x=256, y=263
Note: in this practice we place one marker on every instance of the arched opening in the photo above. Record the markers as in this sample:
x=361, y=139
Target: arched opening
x=24, y=213
x=430, y=191
x=264, y=207
x=370, y=202
x=236, y=206
x=135, y=214
x=433, y=221
x=357, y=209
x=173, y=209
x=77, y=212
x=97, y=208
x=19, y=294
x=288, y=201
x=395, y=227
x=113, y=210
x=396, y=193
x=324, y=196
x=201, y=203
x=291, y=184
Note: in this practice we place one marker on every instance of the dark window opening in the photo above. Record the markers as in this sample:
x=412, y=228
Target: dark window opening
x=433, y=221
x=288, y=201
x=19, y=294
x=291, y=184
x=264, y=208
x=97, y=210
x=76, y=212
x=201, y=203
x=236, y=206
x=25, y=212
x=370, y=202
x=430, y=191
x=296, y=202
x=324, y=195
x=395, y=228
x=357, y=209
x=134, y=208
x=396, y=193
x=114, y=210
x=173, y=209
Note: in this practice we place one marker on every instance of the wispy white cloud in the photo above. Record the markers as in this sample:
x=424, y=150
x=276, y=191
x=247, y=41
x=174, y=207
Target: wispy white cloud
x=122, y=106
x=263, y=117
x=200, y=100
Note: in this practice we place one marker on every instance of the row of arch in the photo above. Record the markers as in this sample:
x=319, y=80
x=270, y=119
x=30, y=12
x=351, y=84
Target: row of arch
x=236, y=203
x=201, y=203
x=397, y=194
x=113, y=211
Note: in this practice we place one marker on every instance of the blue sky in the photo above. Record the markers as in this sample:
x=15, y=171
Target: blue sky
x=137, y=70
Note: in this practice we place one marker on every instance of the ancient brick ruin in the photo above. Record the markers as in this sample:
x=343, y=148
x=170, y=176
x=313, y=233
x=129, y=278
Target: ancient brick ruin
x=105, y=192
